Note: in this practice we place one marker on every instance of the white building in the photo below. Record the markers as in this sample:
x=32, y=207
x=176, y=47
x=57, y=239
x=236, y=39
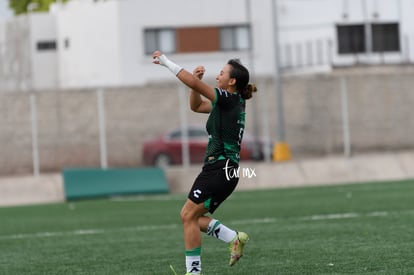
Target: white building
x=109, y=43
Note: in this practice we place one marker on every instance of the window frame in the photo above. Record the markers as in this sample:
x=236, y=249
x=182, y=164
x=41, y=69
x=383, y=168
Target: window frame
x=46, y=45
x=157, y=32
x=386, y=42
x=354, y=38
x=235, y=36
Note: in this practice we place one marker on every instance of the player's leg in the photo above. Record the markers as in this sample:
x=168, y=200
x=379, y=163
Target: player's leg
x=222, y=188
x=236, y=240
x=190, y=214
x=216, y=229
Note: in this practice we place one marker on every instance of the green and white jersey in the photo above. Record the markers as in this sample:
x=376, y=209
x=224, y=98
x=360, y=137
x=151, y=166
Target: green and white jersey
x=225, y=127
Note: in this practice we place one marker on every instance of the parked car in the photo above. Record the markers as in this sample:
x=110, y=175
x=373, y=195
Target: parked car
x=166, y=149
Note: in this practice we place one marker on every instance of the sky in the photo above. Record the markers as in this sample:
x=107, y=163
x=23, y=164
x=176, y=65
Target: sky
x=5, y=12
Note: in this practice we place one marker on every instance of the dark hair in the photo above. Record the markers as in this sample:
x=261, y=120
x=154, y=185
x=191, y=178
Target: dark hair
x=241, y=74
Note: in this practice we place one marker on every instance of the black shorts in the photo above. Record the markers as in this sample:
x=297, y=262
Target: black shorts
x=214, y=184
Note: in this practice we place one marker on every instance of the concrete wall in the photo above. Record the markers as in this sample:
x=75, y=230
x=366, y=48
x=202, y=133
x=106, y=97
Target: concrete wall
x=380, y=118
x=379, y=106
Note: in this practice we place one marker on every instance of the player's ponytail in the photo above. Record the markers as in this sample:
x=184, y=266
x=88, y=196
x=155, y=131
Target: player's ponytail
x=248, y=91
x=241, y=74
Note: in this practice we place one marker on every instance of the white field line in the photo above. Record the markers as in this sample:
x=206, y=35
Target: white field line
x=87, y=232
x=80, y=232
x=147, y=198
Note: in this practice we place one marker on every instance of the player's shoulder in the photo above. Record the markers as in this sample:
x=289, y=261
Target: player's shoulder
x=225, y=99
x=222, y=92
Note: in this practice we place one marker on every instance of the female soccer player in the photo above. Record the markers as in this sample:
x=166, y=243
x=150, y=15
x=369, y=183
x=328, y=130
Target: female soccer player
x=225, y=126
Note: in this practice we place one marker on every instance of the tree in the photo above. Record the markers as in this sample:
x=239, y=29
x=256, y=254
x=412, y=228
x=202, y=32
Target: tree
x=25, y=6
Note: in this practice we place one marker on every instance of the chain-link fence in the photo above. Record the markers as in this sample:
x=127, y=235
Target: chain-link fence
x=344, y=112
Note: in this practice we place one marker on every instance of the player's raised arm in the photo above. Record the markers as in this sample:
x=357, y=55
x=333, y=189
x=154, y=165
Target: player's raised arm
x=186, y=77
x=197, y=103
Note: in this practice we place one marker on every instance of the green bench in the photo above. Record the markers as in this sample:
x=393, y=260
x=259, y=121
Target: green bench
x=94, y=182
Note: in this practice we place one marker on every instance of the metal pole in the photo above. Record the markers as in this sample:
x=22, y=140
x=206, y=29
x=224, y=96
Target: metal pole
x=102, y=129
x=281, y=149
x=368, y=31
x=266, y=124
x=345, y=118
x=35, y=143
x=249, y=22
x=28, y=84
x=255, y=117
x=278, y=84
x=403, y=50
x=185, y=150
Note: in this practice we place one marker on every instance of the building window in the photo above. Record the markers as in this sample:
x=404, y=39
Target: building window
x=46, y=45
x=234, y=38
x=198, y=39
x=385, y=37
x=351, y=39
x=160, y=39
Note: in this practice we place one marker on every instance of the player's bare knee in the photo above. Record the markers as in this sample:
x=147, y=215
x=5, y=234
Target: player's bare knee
x=182, y=215
x=188, y=214
x=185, y=215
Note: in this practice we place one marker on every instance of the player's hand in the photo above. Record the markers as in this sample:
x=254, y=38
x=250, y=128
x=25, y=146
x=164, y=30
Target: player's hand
x=199, y=72
x=159, y=58
x=155, y=57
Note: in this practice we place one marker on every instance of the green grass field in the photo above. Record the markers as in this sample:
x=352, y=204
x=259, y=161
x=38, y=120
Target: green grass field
x=348, y=229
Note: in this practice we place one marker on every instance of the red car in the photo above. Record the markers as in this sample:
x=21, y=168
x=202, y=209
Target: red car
x=166, y=149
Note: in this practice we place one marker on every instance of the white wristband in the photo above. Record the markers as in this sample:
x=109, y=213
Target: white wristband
x=174, y=68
